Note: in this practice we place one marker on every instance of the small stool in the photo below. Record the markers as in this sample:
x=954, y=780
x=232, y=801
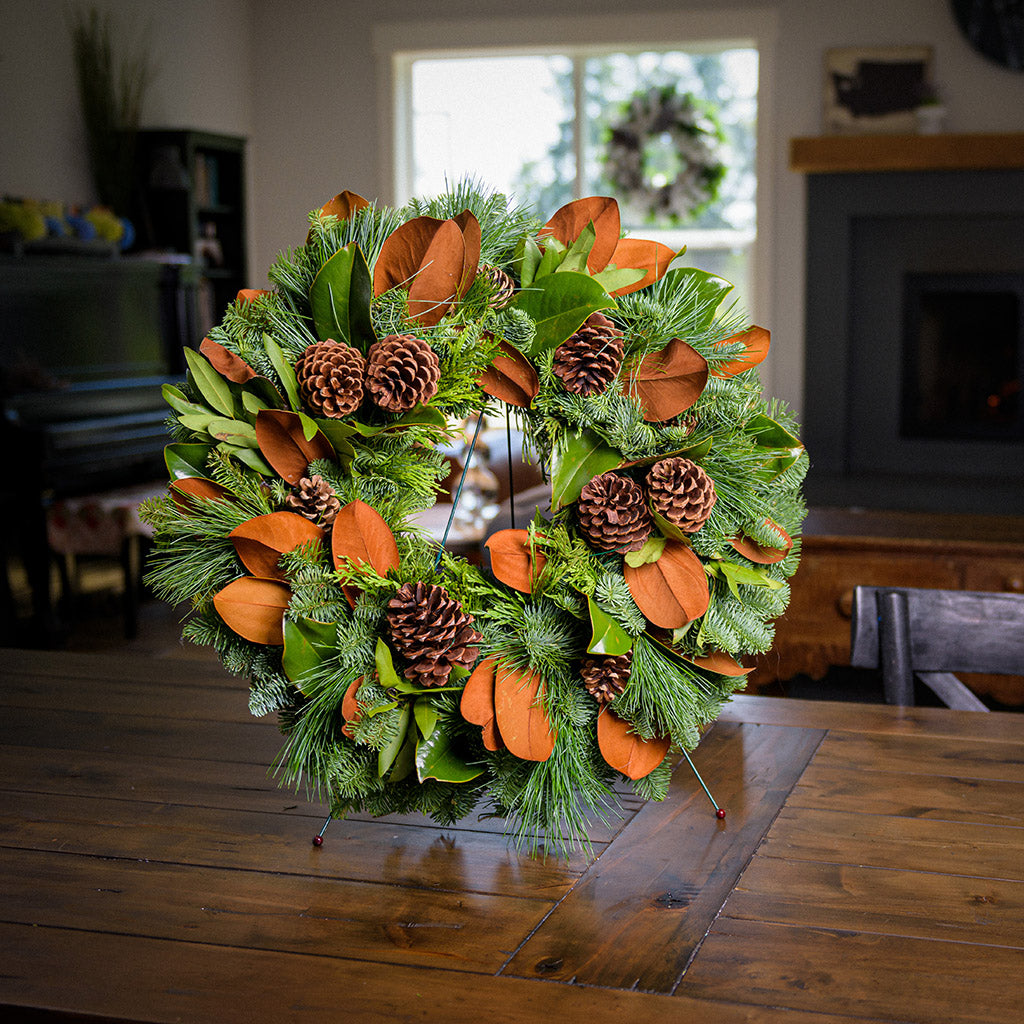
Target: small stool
x=103, y=524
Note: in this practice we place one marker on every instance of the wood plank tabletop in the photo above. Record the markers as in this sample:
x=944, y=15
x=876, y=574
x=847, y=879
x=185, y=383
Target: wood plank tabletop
x=870, y=868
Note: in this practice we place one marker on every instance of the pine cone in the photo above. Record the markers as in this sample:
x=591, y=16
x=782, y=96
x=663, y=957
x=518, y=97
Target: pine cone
x=502, y=286
x=613, y=515
x=330, y=376
x=402, y=371
x=431, y=632
x=605, y=675
x=682, y=492
x=315, y=499
x=587, y=362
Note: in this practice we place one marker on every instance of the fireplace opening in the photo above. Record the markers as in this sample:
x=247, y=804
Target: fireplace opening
x=962, y=356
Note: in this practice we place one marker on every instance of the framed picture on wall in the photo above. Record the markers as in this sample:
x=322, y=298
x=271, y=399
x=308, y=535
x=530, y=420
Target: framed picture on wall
x=876, y=89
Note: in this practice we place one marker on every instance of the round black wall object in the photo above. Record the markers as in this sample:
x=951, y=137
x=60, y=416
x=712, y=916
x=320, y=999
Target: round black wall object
x=994, y=28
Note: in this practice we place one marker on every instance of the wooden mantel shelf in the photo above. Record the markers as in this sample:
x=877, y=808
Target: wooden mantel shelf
x=831, y=154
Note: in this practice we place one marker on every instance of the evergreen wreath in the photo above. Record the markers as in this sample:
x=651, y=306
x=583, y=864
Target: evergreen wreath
x=607, y=630
x=695, y=137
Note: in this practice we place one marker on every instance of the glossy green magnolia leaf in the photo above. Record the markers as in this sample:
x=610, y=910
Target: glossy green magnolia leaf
x=558, y=305
x=406, y=760
x=387, y=755
x=176, y=399
x=183, y=460
x=253, y=403
x=528, y=256
x=575, y=462
x=437, y=758
x=338, y=433
x=666, y=528
x=782, y=448
x=306, y=644
x=694, y=451
x=551, y=260
x=708, y=291
x=425, y=714
x=236, y=432
x=211, y=385
x=612, y=279
x=576, y=255
x=650, y=552
x=248, y=456
x=340, y=298
x=386, y=673
x=607, y=636
x=284, y=370
x=735, y=574
x=199, y=421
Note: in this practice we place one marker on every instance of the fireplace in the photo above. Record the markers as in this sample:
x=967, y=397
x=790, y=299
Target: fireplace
x=915, y=339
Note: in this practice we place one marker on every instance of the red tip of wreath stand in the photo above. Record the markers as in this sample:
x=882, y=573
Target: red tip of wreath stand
x=318, y=840
x=720, y=814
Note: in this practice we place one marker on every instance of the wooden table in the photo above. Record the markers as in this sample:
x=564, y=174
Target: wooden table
x=871, y=867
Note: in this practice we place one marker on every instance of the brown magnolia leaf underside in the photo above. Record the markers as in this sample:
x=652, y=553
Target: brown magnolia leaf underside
x=473, y=236
x=641, y=254
x=195, y=487
x=344, y=204
x=763, y=554
x=251, y=294
x=757, y=341
x=522, y=721
x=350, y=709
x=226, y=363
x=624, y=750
x=667, y=382
x=360, y=536
x=567, y=223
x=511, y=560
x=672, y=591
x=477, y=703
x=254, y=608
x=285, y=446
x=511, y=377
x=721, y=663
x=260, y=542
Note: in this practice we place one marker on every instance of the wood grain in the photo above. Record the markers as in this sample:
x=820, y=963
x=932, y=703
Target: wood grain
x=636, y=918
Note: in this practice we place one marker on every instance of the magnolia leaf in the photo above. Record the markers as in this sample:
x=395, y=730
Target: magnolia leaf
x=350, y=709
x=361, y=537
x=187, y=487
x=385, y=664
x=306, y=644
x=176, y=399
x=519, y=711
x=260, y=542
x=236, y=432
x=554, y=253
x=764, y=554
x=198, y=422
x=672, y=591
x=559, y=304
x=210, y=383
x=650, y=552
x=338, y=433
x=528, y=255
x=254, y=609
x=406, y=760
x=477, y=703
x=226, y=363
x=624, y=750
x=744, y=574
x=284, y=370
x=511, y=377
x=253, y=403
x=389, y=752
x=667, y=382
x=183, y=460
x=421, y=415
x=249, y=295
x=512, y=560
x=756, y=340
x=782, y=448
x=708, y=291
x=721, y=664
x=616, y=282
x=283, y=442
x=251, y=458
x=575, y=257
x=343, y=205
x=666, y=528
x=340, y=298
x=569, y=222
x=436, y=758
x=693, y=451
x=575, y=462
x=472, y=235
x=607, y=636
x=426, y=716
x=649, y=258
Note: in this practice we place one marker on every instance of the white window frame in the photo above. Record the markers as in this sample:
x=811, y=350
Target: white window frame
x=398, y=44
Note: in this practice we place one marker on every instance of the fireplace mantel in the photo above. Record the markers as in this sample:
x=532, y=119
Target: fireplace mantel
x=832, y=154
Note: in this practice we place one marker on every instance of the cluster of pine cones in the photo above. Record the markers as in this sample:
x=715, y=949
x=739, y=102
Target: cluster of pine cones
x=399, y=372
x=613, y=512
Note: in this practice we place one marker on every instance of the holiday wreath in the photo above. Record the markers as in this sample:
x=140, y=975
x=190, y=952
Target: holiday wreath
x=693, y=137
x=605, y=633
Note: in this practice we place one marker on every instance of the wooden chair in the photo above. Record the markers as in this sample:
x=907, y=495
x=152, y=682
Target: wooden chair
x=933, y=633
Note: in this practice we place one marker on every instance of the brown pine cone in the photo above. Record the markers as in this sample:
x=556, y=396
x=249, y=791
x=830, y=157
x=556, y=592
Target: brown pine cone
x=605, y=675
x=402, y=371
x=431, y=632
x=587, y=362
x=315, y=499
x=613, y=515
x=502, y=286
x=330, y=376
x=682, y=492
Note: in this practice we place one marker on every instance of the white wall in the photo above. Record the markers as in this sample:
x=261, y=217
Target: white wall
x=301, y=79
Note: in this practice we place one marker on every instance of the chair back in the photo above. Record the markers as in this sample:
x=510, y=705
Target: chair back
x=934, y=633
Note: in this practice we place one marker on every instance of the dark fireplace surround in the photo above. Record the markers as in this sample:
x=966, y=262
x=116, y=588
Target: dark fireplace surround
x=875, y=241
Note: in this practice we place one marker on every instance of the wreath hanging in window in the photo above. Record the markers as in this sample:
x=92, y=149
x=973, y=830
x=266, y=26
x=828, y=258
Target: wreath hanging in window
x=682, y=136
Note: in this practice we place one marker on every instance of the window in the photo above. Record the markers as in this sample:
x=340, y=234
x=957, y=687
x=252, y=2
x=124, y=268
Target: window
x=536, y=126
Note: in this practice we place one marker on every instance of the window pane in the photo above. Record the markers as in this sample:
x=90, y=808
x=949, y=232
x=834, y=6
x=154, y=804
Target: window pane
x=501, y=120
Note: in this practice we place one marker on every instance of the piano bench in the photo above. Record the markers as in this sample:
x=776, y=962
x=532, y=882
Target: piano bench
x=106, y=524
